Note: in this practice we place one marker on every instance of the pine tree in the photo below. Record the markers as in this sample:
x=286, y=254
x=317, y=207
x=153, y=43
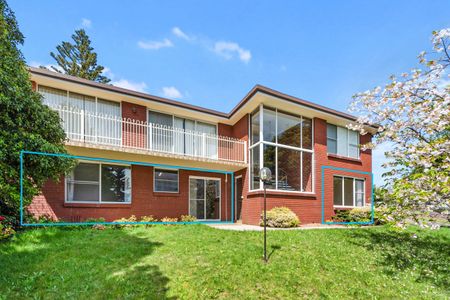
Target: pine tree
x=79, y=59
x=25, y=124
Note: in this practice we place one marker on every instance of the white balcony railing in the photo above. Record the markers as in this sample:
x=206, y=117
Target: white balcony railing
x=82, y=126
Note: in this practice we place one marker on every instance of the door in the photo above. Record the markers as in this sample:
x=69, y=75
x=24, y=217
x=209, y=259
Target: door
x=204, y=198
x=238, y=187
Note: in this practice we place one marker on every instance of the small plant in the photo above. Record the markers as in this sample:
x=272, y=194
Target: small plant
x=280, y=217
x=99, y=227
x=188, y=218
x=148, y=219
x=6, y=229
x=131, y=219
x=361, y=214
x=95, y=220
x=167, y=219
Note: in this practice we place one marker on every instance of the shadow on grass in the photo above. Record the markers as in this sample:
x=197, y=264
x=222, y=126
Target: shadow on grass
x=427, y=254
x=85, y=263
x=274, y=248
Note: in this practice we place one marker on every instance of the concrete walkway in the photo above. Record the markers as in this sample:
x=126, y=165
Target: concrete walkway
x=245, y=227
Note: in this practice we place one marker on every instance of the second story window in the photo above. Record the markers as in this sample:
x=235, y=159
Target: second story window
x=342, y=141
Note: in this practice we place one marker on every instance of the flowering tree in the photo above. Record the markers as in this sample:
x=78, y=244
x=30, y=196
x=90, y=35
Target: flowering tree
x=413, y=113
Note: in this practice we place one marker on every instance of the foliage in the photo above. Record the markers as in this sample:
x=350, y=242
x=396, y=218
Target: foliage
x=131, y=219
x=25, y=124
x=6, y=229
x=148, y=219
x=188, y=218
x=167, y=219
x=79, y=59
x=199, y=262
x=94, y=220
x=361, y=214
x=413, y=113
x=281, y=217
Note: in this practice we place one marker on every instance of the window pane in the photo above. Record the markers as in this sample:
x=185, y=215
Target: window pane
x=269, y=125
x=53, y=97
x=353, y=151
x=353, y=137
x=342, y=141
x=307, y=133
x=85, y=172
x=288, y=169
x=212, y=199
x=254, y=158
x=197, y=209
x=161, y=136
x=197, y=189
x=82, y=192
x=359, y=186
x=337, y=191
x=108, y=129
x=359, y=199
x=331, y=131
x=255, y=127
x=331, y=146
x=159, y=118
x=288, y=130
x=210, y=148
x=348, y=191
x=269, y=162
x=307, y=172
x=166, y=180
x=116, y=183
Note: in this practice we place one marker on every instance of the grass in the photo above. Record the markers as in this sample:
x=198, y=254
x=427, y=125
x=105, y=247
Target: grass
x=198, y=262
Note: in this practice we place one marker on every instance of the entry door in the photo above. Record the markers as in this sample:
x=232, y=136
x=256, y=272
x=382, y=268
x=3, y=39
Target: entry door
x=204, y=198
x=238, y=198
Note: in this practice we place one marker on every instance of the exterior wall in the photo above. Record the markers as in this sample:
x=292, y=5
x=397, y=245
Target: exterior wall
x=308, y=207
x=134, y=113
x=144, y=201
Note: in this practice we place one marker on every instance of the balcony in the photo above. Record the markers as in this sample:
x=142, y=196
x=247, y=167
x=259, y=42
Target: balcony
x=115, y=133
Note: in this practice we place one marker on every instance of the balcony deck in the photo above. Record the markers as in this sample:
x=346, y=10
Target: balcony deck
x=104, y=132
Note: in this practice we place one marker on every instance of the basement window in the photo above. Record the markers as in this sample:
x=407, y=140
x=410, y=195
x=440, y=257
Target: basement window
x=348, y=192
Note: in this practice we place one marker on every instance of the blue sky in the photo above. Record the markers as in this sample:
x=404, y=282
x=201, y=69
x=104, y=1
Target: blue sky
x=211, y=53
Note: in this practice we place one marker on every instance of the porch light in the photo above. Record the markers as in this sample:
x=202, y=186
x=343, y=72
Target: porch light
x=265, y=175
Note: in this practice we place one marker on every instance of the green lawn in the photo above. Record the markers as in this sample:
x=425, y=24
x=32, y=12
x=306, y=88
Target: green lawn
x=198, y=262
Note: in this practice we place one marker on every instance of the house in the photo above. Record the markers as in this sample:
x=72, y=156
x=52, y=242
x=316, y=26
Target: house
x=167, y=158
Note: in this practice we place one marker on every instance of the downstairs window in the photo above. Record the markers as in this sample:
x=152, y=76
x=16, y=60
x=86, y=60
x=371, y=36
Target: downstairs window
x=99, y=183
x=348, y=192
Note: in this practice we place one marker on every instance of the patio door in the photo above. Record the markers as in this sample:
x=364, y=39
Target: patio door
x=204, y=198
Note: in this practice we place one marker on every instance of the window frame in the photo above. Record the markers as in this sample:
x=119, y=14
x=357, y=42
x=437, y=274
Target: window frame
x=262, y=142
x=99, y=164
x=166, y=169
x=348, y=145
x=354, y=179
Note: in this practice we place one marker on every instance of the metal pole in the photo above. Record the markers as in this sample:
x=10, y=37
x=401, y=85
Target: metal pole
x=265, y=224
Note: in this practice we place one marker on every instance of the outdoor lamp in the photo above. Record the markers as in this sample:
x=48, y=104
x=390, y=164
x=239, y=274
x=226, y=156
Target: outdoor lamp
x=265, y=175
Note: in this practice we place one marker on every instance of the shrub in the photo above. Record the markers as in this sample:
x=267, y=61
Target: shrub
x=148, y=219
x=167, y=219
x=361, y=214
x=123, y=220
x=188, y=218
x=6, y=229
x=281, y=217
x=94, y=220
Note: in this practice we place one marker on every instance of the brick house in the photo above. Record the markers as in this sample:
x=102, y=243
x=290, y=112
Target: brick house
x=167, y=158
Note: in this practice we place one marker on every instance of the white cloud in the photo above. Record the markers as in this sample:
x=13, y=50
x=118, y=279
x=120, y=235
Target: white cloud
x=155, y=45
x=86, y=23
x=179, y=33
x=126, y=84
x=229, y=49
x=171, y=92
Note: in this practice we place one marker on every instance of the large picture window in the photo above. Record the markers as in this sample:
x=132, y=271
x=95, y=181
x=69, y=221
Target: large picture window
x=93, y=183
x=285, y=148
x=166, y=180
x=342, y=141
x=348, y=192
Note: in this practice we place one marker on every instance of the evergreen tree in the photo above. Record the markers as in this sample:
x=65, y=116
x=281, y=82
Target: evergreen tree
x=25, y=124
x=79, y=59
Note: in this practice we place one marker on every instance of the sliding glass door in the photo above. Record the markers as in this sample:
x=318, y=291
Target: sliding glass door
x=204, y=198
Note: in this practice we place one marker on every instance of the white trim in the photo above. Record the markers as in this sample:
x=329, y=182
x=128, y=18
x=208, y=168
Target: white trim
x=167, y=169
x=220, y=195
x=235, y=195
x=354, y=191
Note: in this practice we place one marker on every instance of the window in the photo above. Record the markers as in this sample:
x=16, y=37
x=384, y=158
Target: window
x=286, y=149
x=342, y=141
x=348, y=192
x=93, y=183
x=166, y=180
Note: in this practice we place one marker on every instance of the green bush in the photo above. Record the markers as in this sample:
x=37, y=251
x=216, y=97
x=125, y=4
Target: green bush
x=281, y=217
x=361, y=214
x=188, y=218
x=94, y=220
x=6, y=229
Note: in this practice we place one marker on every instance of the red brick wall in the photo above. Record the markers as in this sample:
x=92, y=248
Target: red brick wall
x=308, y=207
x=144, y=201
x=135, y=136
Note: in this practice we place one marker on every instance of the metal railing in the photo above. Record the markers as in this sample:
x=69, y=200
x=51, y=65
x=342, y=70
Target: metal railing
x=82, y=126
